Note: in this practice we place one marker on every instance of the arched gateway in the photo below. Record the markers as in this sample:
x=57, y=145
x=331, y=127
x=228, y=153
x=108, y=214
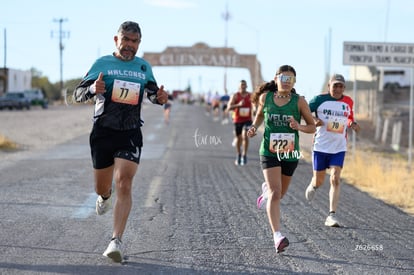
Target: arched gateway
x=200, y=54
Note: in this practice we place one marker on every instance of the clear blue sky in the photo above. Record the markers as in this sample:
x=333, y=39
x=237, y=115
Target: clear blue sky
x=295, y=32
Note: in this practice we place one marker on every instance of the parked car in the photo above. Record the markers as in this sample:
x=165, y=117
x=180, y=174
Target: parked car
x=6, y=103
x=15, y=100
x=37, y=97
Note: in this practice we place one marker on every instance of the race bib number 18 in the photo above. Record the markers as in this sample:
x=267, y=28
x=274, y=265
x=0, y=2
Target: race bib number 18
x=125, y=92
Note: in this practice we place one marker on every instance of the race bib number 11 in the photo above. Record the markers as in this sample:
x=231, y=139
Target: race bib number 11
x=125, y=92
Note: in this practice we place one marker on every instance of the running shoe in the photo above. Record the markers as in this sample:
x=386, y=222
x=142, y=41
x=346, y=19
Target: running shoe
x=281, y=244
x=237, y=162
x=102, y=206
x=332, y=221
x=261, y=200
x=114, y=250
x=243, y=160
x=310, y=192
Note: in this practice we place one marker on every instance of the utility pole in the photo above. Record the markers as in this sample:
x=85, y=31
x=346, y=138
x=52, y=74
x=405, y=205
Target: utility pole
x=5, y=71
x=257, y=77
x=5, y=50
x=61, y=34
x=226, y=17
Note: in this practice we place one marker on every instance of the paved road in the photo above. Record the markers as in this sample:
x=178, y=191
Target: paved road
x=194, y=213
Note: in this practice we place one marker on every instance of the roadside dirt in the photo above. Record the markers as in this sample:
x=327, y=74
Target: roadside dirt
x=38, y=129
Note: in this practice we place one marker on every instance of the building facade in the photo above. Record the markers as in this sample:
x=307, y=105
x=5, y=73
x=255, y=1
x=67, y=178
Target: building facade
x=13, y=80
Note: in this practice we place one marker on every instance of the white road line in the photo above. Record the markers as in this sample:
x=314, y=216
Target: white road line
x=153, y=191
x=159, y=125
x=150, y=137
x=87, y=207
x=154, y=186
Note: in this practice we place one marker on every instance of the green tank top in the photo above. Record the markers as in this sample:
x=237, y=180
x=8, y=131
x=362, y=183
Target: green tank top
x=279, y=140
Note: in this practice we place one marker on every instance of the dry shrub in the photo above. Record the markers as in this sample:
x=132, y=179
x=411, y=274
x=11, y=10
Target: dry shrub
x=6, y=143
x=384, y=177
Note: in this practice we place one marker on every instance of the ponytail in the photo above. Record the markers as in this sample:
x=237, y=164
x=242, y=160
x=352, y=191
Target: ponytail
x=264, y=87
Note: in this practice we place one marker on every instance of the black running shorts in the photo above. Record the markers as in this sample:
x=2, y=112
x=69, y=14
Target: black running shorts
x=107, y=144
x=288, y=167
x=240, y=126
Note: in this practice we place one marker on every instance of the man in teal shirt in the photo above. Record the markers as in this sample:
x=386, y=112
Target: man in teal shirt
x=118, y=82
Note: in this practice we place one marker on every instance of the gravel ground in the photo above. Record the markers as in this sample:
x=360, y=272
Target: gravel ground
x=38, y=129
